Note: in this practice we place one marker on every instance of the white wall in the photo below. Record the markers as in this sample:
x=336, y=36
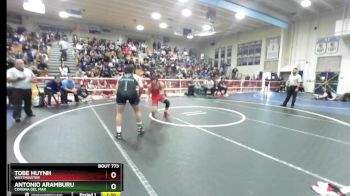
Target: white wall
x=303, y=40
x=298, y=47
x=234, y=40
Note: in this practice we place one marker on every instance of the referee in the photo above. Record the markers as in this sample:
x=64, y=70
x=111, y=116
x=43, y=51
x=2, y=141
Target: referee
x=293, y=85
x=20, y=79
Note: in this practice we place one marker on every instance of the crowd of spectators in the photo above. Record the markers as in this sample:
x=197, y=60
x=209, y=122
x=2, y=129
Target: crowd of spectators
x=105, y=58
x=32, y=47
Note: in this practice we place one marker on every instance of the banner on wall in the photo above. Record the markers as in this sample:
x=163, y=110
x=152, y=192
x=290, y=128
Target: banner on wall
x=321, y=46
x=332, y=45
x=249, y=53
x=327, y=45
x=54, y=28
x=272, y=48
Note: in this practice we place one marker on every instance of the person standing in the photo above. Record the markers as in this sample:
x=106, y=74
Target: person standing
x=127, y=91
x=293, y=84
x=21, y=79
x=64, y=47
x=234, y=73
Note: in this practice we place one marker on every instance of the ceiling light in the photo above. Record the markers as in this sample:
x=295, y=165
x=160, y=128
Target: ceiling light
x=178, y=33
x=305, y=3
x=163, y=25
x=240, y=15
x=140, y=27
x=69, y=13
x=203, y=34
x=36, y=6
x=189, y=36
x=156, y=15
x=182, y=1
x=76, y=13
x=186, y=12
x=63, y=14
x=206, y=27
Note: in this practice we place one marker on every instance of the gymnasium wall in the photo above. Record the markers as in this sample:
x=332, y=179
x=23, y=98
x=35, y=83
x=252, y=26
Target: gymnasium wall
x=234, y=40
x=305, y=33
x=298, y=47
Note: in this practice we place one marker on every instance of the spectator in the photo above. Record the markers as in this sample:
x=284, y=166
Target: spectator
x=43, y=70
x=42, y=57
x=80, y=73
x=42, y=60
x=64, y=47
x=68, y=86
x=64, y=70
x=208, y=85
x=191, y=86
x=345, y=97
x=234, y=73
x=266, y=86
x=75, y=39
x=222, y=86
x=21, y=83
x=82, y=93
x=106, y=70
x=52, y=88
x=325, y=95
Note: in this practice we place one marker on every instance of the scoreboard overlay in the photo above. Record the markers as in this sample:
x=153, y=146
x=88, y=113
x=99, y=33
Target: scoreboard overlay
x=52, y=179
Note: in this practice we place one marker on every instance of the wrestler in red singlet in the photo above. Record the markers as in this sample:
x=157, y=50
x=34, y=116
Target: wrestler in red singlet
x=156, y=88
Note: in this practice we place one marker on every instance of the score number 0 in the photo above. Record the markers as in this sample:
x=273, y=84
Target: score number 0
x=114, y=175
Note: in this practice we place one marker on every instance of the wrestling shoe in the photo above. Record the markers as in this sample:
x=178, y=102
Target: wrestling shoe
x=140, y=129
x=118, y=135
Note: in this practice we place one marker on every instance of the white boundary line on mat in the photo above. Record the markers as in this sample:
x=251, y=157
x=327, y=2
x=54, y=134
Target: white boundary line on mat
x=141, y=177
x=263, y=154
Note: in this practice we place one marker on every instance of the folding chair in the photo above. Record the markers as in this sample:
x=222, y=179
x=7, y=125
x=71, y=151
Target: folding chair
x=41, y=94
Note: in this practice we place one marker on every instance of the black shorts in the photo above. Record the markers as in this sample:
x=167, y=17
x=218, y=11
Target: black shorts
x=133, y=99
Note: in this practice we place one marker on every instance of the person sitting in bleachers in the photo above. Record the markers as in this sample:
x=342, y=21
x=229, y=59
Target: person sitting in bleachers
x=64, y=70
